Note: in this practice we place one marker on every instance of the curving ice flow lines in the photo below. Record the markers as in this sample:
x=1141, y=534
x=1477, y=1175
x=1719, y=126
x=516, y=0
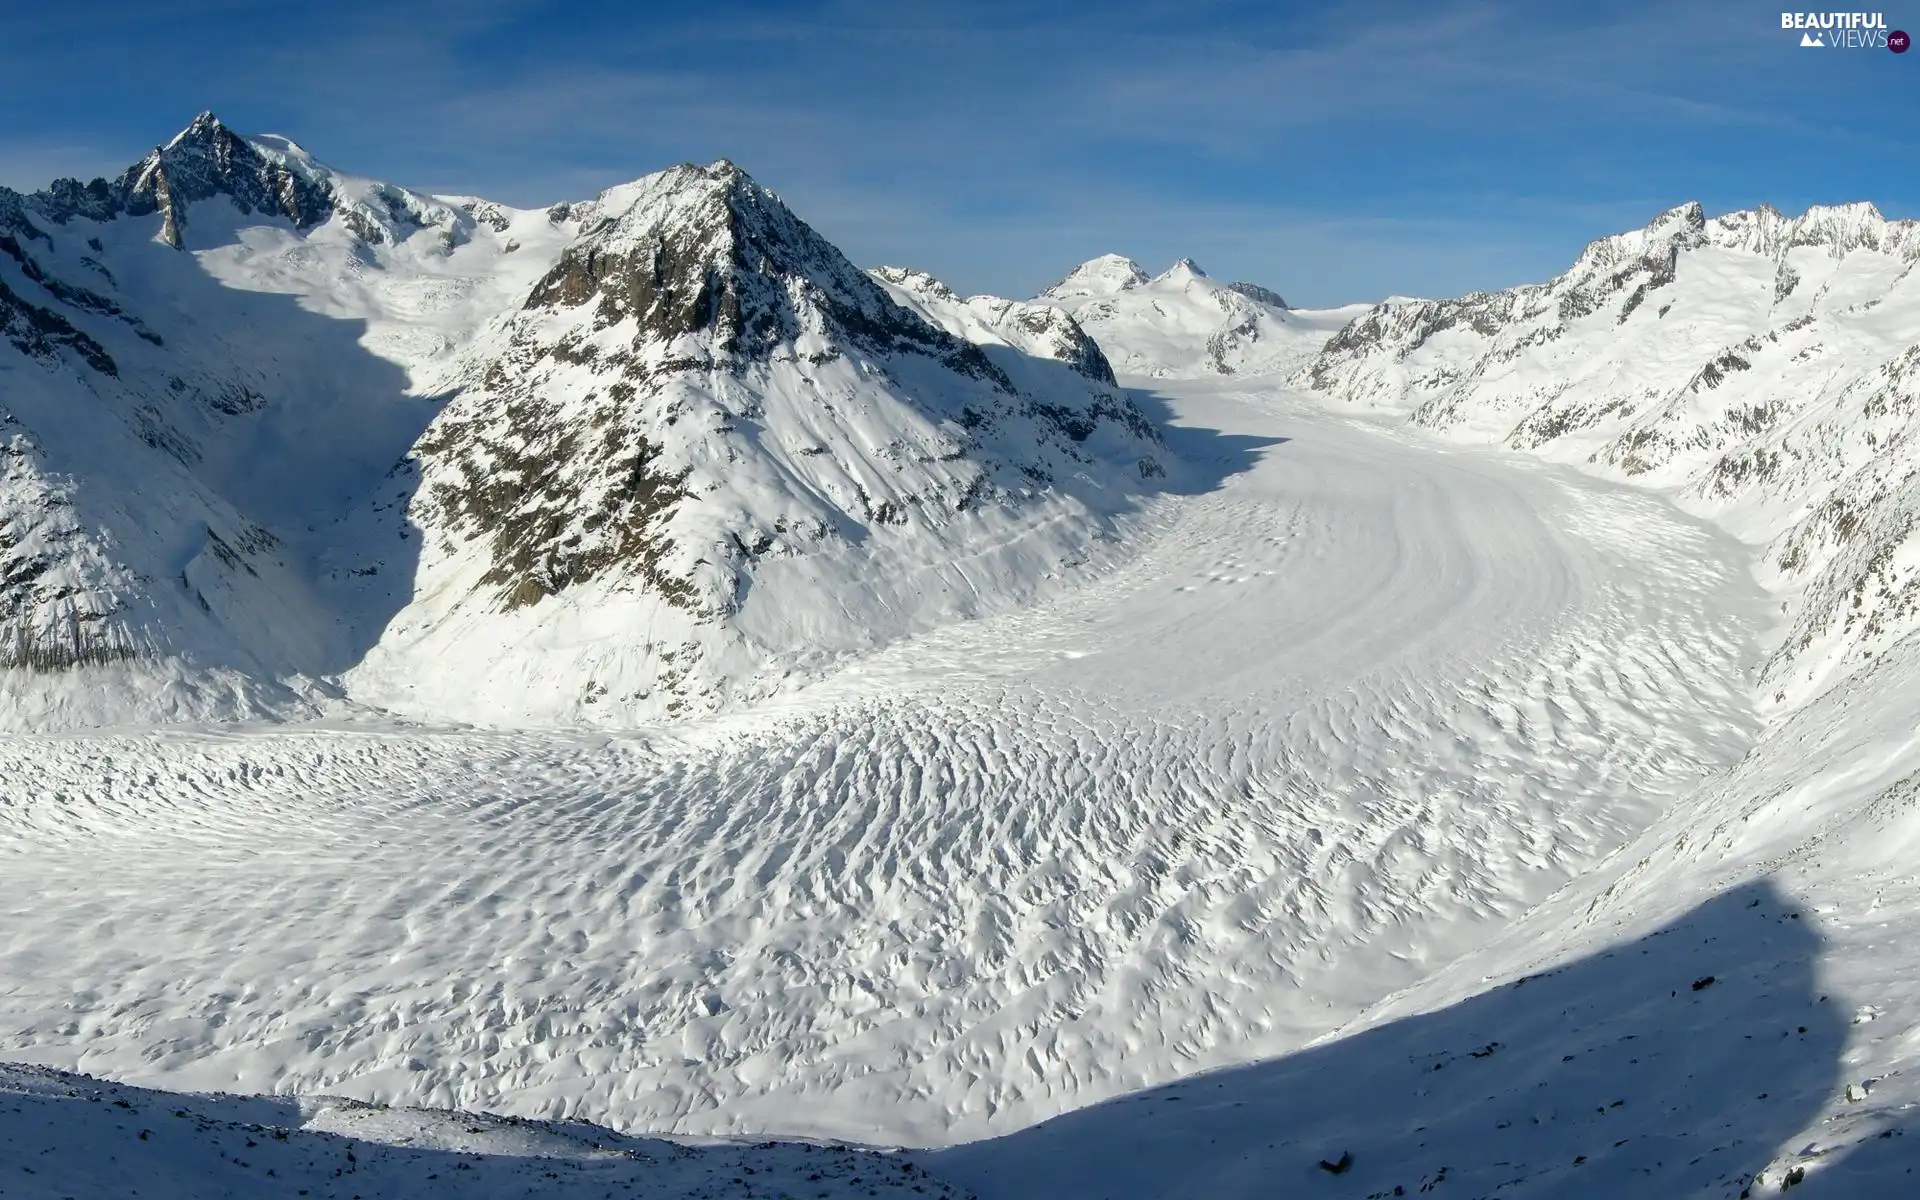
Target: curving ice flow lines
x=1337, y=720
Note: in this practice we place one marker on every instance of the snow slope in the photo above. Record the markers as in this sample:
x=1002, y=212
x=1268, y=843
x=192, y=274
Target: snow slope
x=1356, y=702
x=1760, y=366
x=304, y=439
x=1182, y=324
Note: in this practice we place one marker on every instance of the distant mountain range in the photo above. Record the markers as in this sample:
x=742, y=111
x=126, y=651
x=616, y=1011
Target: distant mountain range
x=1181, y=323
x=274, y=437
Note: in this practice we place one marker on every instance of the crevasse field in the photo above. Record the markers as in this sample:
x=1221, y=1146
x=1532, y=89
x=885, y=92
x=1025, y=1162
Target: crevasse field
x=1339, y=719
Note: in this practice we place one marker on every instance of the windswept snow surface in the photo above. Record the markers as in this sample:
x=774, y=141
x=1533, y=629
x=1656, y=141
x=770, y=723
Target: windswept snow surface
x=1725, y=1007
x=1356, y=701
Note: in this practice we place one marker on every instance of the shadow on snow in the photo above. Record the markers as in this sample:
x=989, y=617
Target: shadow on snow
x=66, y=1135
x=1204, y=458
x=1675, y=1065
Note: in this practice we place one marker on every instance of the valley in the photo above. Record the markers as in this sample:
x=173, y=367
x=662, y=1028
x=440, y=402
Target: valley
x=552, y=698
x=1336, y=721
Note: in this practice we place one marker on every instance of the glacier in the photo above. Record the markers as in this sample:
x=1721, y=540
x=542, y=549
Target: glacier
x=616, y=696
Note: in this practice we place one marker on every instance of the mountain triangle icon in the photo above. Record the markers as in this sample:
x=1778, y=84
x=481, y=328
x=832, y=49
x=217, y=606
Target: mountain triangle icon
x=1811, y=39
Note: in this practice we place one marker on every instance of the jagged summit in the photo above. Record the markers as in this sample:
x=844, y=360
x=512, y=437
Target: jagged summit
x=265, y=175
x=1255, y=292
x=205, y=128
x=707, y=253
x=1837, y=228
x=204, y=160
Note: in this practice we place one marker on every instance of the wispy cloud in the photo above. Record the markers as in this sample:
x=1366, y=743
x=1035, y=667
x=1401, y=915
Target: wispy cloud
x=1329, y=151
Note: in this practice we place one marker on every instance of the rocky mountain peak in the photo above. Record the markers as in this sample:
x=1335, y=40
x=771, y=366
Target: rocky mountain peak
x=1837, y=228
x=206, y=129
x=914, y=280
x=1258, y=294
x=712, y=265
x=1842, y=228
x=204, y=160
x=1690, y=217
x=1677, y=228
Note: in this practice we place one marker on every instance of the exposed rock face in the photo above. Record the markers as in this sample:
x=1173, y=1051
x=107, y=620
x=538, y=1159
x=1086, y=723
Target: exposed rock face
x=206, y=159
x=1763, y=364
x=708, y=253
x=36, y=331
x=1258, y=294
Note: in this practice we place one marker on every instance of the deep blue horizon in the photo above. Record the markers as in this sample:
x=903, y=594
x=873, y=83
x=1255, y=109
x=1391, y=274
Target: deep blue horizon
x=1330, y=153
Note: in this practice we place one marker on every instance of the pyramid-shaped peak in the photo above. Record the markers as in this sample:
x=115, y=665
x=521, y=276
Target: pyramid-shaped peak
x=1183, y=269
x=202, y=128
x=208, y=159
x=708, y=253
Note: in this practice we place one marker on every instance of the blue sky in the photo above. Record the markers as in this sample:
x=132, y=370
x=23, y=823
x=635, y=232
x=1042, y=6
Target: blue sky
x=1332, y=152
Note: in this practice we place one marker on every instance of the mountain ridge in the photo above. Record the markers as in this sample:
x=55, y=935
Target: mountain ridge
x=508, y=406
x=1761, y=365
x=1182, y=323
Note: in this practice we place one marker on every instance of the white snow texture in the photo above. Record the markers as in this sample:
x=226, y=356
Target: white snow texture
x=544, y=702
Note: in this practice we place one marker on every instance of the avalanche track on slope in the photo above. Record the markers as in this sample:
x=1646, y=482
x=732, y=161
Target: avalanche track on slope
x=1344, y=714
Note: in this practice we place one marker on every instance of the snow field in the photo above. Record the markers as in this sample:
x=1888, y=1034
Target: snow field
x=1345, y=715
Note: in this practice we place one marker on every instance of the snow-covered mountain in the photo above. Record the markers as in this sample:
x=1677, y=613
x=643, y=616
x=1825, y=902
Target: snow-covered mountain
x=1764, y=366
x=273, y=431
x=1025, y=331
x=1183, y=324
x=1420, y=788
